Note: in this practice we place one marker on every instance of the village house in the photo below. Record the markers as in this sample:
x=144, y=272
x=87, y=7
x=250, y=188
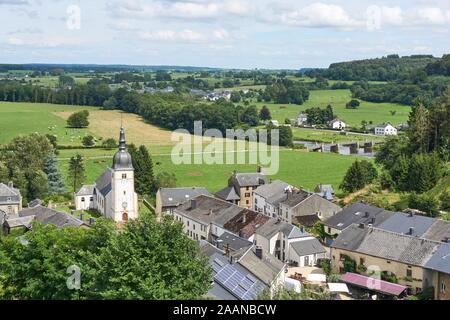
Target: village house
x=358, y=212
x=113, y=193
x=167, y=199
x=242, y=275
x=301, y=120
x=417, y=263
x=385, y=129
x=10, y=199
x=240, y=188
x=281, y=200
x=337, y=124
x=204, y=217
x=24, y=218
x=278, y=238
x=325, y=191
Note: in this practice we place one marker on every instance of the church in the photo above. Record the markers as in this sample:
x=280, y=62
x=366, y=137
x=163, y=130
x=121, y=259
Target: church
x=113, y=193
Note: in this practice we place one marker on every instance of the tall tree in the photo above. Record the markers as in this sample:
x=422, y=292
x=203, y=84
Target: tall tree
x=418, y=131
x=358, y=176
x=55, y=183
x=264, y=114
x=151, y=260
x=77, y=172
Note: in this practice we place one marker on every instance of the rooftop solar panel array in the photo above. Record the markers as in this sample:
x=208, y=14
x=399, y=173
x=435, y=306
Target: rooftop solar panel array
x=242, y=286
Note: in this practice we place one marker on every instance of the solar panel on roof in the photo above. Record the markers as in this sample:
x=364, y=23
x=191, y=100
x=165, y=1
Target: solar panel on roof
x=219, y=262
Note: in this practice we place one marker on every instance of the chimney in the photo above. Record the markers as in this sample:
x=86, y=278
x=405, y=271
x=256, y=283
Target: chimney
x=372, y=221
x=227, y=250
x=193, y=204
x=411, y=231
x=259, y=252
x=10, y=184
x=366, y=214
x=361, y=225
x=244, y=217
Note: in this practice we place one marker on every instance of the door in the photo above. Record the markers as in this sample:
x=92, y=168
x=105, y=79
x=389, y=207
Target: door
x=306, y=260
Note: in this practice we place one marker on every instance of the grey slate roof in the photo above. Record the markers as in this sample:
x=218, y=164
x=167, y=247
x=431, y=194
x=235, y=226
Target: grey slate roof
x=385, y=244
x=7, y=192
x=356, y=213
x=48, y=216
x=295, y=198
x=265, y=269
x=274, y=226
x=103, y=183
x=401, y=222
x=86, y=190
x=250, y=179
x=234, y=242
x=228, y=194
x=307, y=247
x=15, y=222
x=209, y=209
x=173, y=197
x=271, y=189
x=440, y=260
x=438, y=231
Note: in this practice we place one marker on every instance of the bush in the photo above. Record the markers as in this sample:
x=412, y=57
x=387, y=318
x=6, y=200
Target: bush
x=109, y=143
x=78, y=119
x=425, y=203
x=445, y=200
x=88, y=141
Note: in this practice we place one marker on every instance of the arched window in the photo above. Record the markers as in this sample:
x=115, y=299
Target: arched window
x=124, y=216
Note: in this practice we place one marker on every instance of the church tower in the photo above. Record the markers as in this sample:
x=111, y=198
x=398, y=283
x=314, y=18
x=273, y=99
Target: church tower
x=124, y=199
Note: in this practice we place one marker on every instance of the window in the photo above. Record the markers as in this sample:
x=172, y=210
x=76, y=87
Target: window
x=256, y=200
x=247, y=202
x=409, y=273
x=247, y=195
x=124, y=175
x=82, y=199
x=91, y=199
x=9, y=199
x=193, y=226
x=329, y=230
x=188, y=223
x=388, y=261
x=443, y=287
x=124, y=193
x=248, y=188
x=362, y=261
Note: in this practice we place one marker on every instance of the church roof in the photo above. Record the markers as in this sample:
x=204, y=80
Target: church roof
x=103, y=183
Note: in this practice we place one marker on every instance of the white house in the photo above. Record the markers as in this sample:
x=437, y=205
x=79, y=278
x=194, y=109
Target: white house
x=337, y=124
x=301, y=119
x=385, y=130
x=10, y=199
x=113, y=193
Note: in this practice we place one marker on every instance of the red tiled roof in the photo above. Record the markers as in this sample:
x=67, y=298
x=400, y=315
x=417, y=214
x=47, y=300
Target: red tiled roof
x=373, y=284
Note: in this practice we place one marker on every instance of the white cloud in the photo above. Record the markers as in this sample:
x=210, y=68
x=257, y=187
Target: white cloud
x=170, y=35
x=319, y=15
x=179, y=9
x=429, y=16
x=15, y=41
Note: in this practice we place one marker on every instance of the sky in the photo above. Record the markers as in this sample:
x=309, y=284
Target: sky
x=247, y=34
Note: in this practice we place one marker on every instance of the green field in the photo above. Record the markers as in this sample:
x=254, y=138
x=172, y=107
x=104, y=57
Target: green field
x=300, y=168
x=368, y=111
x=330, y=136
x=26, y=118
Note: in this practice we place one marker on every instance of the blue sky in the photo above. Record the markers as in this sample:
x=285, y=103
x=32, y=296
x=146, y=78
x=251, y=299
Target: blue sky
x=220, y=33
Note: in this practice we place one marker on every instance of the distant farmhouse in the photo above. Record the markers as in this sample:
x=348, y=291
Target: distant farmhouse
x=337, y=124
x=301, y=119
x=113, y=193
x=385, y=130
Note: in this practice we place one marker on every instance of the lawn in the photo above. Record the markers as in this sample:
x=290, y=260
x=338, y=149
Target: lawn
x=330, y=136
x=300, y=168
x=26, y=118
x=368, y=111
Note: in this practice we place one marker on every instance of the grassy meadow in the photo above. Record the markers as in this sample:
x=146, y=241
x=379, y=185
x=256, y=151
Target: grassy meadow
x=299, y=168
x=368, y=111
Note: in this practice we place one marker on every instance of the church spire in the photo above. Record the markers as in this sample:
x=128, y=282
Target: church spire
x=122, y=142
